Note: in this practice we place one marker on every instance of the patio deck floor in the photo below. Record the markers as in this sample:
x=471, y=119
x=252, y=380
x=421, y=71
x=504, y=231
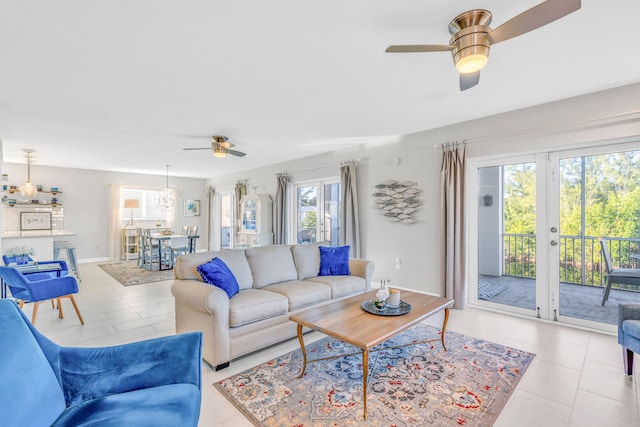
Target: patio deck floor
x=578, y=301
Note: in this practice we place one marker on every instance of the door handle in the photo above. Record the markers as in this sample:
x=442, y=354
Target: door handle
x=553, y=243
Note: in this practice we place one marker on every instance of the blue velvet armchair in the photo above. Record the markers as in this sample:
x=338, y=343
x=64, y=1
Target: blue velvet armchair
x=39, y=287
x=148, y=383
x=629, y=333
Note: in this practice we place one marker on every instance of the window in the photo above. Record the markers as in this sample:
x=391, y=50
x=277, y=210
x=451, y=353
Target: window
x=317, y=212
x=147, y=210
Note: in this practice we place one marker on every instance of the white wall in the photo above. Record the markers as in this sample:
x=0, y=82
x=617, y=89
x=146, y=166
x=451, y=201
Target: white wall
x=601, y=118
x=85, y=199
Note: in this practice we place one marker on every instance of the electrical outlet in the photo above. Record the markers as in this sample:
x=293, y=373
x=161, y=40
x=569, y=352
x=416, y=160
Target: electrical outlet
x=398, y=262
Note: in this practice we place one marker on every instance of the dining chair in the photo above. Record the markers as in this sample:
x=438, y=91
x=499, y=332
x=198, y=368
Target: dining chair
x=621, y=276
x=179, y=245
x=154, y=253
x=185, y=229
x=37, y=288
x=192, y=231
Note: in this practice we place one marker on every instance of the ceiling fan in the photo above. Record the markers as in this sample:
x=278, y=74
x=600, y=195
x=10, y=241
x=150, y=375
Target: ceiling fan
x=221, y=147
x=471, y=36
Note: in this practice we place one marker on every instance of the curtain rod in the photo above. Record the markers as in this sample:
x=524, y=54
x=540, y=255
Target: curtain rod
x=345, y=162
x=631, y=116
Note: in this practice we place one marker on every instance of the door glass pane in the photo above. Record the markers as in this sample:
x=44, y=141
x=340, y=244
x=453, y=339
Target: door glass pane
x=331, y=225
x=306, y=213
x=226, y=221
x=599, y=199
x=507, y=235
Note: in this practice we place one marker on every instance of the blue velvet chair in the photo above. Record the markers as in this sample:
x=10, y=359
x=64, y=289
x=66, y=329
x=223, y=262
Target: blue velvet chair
x=64, y=269
x=148, y=383
x=629, y=333
x=39, y=287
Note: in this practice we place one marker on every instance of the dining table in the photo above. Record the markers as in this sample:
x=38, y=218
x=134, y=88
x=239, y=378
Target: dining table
x=164, y=237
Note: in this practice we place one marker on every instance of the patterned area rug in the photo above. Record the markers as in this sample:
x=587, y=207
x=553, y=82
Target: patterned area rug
x=416, y=385
x=129, y=274
x=488, y=290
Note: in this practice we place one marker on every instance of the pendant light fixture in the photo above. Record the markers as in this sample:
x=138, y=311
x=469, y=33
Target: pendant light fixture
x=28, y=189
x=166, y=197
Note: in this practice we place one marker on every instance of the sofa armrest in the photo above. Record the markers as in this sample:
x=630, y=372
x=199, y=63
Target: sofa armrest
x=202, y=297
x=362, y=268
x=628, y=311
x=89, y=373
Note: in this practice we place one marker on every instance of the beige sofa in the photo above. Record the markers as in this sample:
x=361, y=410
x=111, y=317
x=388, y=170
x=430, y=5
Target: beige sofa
x=275, y=281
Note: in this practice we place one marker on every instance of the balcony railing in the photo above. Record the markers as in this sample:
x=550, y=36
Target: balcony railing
x=581, y=260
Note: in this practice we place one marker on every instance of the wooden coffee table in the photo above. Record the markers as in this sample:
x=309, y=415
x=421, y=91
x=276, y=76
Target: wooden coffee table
x=347, y=321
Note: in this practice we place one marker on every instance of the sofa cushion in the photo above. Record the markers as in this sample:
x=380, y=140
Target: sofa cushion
x=307, y=259
x=186, y=265
x=27, y=376
x=334, y=261
x=302, y=294
x=252, y=305
x=167, y=405
x=216, y=273
x=271, y=264
x=341, y=285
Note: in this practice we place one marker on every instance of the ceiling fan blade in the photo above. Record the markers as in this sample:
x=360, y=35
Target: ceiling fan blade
x=469, y=80
x=227, y=144
x=236, y=153
x=203, y=148
x=536, y=17
x=407, y=48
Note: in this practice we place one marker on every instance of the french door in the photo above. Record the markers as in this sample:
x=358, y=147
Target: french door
x=507, y=259
x=535, y=225
x=225, y=214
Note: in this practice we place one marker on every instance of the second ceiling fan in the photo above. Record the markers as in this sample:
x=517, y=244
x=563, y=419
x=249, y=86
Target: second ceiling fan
x=471, y=36
x=220, y=147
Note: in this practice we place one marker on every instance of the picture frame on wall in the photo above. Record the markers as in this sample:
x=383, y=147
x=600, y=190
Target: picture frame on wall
x=35, y=220
x=192, y=208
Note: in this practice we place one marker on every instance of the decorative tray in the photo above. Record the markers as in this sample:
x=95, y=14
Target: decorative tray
x=403, y=308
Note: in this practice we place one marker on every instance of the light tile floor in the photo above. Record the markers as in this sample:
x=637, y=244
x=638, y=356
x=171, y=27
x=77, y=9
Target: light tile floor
x=576, y=379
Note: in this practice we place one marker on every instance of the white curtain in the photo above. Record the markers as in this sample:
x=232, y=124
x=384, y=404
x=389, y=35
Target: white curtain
x=452, y=239
x=280, y=207
x=171, y=216
x=350, y=225
x=115, y=222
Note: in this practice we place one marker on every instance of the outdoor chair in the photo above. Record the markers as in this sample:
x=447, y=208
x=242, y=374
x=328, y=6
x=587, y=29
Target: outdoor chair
x=40, y=287
x=629, y=333
x=621, y=276
x=157, y=382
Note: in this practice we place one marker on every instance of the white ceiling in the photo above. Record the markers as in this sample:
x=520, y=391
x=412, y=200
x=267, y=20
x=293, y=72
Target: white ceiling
x=125, y=85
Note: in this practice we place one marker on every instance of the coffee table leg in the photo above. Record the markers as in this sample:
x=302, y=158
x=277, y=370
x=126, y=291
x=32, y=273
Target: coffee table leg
x=444, y=326
x=304, y=351
x=365, y=375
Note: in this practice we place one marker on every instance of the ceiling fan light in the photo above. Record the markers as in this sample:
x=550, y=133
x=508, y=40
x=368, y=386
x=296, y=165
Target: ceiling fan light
x=219, y=151
x=471, y=63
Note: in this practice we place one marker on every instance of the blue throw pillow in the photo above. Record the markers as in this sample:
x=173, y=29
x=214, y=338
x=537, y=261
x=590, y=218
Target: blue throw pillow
x=334, y=261
x=216, y=273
